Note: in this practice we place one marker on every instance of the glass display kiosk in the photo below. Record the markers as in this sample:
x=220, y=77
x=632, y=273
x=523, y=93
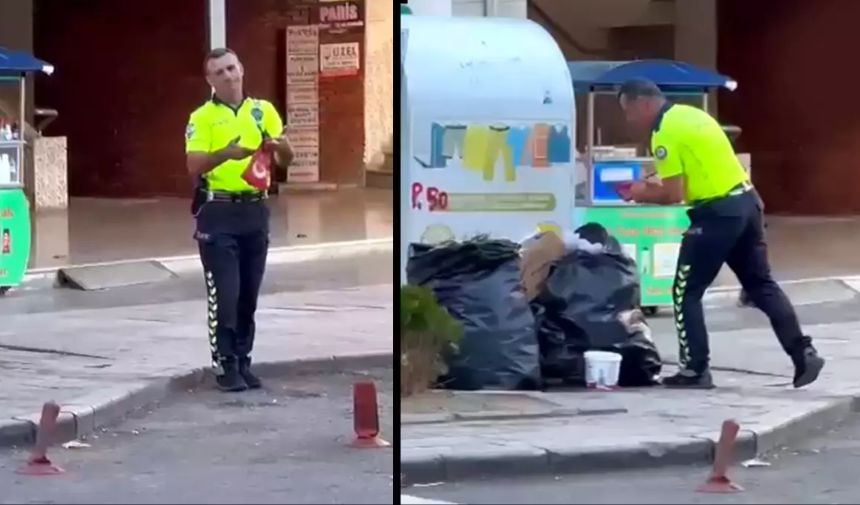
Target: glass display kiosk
x=15, y=227
x=650, y=234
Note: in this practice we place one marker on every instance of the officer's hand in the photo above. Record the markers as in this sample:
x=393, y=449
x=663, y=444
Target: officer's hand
x=281, y=142
x=282, y=148
x=639, y=192
x=623, y=190
x=234, y=151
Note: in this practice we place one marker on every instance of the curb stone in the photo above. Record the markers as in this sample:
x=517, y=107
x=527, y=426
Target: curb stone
x=423, y=465
x=293, y=254
x=781, y=432
x=14, y=432
x=502, y=415
x=109, y=406
x=48, y=277
x=415, y=500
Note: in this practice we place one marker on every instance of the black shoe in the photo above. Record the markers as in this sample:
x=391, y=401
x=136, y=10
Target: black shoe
x=689, y=379
x=745, y=301
x=807, y=366
x=252, y=381
x=230, y=380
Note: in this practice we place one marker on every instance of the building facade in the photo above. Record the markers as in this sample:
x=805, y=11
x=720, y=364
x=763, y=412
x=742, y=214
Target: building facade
x=800, y=137
x=127, y=79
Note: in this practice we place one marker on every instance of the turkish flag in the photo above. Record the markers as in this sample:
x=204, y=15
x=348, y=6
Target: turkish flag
x=258, y=173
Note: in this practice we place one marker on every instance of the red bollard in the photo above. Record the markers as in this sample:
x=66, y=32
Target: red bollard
x=366, y=416
x=719, y=481
x=38, y=464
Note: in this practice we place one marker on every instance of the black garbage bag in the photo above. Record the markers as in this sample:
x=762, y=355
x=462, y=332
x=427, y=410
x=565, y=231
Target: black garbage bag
x=478, y=282
x=561, y=358
x=640, y=359
x=591, y=302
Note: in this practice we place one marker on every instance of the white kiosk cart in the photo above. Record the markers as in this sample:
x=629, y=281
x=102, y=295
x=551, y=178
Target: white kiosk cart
x=489, y=115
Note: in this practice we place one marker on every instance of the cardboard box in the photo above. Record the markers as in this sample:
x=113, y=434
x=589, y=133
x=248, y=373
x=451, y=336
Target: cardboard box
x=538, y=255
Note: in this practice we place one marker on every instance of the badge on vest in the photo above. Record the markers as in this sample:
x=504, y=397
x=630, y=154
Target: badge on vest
x=661, y=153
x=258, y=173
x=257, y=113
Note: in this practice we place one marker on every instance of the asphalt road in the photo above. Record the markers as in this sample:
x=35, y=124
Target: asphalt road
x=287, y=443
x=820, y=470
x=362, y=270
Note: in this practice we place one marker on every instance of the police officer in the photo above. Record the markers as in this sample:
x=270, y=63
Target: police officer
x=232, y=218
x=697, y=166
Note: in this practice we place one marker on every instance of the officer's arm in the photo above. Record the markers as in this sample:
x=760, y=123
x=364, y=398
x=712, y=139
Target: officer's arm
x=198, y=163
x=673, y=190
x=275, y=128
x=199, y=157
x=667, y=161
x=198, y=144
x=666, y=192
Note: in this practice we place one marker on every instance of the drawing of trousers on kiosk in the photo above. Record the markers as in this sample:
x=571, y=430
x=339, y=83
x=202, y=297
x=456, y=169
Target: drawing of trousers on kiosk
x=697, y=165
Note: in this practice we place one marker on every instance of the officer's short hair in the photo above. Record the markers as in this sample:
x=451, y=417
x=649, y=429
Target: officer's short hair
x=639, y=88
x=215, y=54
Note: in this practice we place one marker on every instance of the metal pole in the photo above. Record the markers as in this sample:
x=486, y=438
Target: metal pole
x=22, y=125
x=217, y=23
x=22, y=119
x=589, y=147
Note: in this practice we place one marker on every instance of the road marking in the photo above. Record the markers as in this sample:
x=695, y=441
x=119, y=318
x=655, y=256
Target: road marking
x=405, y=498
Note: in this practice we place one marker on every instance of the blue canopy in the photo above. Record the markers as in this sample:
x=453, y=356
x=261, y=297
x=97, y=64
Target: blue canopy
x=16, y=63
x=669, y=75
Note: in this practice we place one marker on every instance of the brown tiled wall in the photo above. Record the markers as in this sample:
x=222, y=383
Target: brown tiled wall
x=795, y=64
x=256, y=30
x=127, y=78
x=378, y=81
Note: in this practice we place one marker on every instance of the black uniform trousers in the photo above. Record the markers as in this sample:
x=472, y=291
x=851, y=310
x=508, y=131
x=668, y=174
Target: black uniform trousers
x=727, y=230
x=233, y=239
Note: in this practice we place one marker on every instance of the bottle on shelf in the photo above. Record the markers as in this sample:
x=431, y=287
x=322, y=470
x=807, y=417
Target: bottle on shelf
x=5, y=169
x=6, y=242
x=14, y=176
x=5, y=130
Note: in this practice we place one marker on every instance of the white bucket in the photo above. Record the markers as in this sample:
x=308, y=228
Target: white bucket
x=601, y=369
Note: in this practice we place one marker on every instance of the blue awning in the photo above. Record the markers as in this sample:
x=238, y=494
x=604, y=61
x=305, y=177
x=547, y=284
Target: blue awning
x=669, y=75
x=16, y=63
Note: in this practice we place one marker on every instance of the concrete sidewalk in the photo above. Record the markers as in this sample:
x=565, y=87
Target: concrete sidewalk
x=473, y=434
x=100, y=364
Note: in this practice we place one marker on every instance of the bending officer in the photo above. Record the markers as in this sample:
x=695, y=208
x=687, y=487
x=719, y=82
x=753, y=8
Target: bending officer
x=697, y=165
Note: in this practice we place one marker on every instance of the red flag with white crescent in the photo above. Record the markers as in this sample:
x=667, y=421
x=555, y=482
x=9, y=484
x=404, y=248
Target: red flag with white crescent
x=258, y=173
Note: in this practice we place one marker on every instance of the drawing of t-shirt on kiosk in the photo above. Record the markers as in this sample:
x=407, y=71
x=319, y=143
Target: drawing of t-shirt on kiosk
x=453, y=140
x=537, y=149
x=445, y=142
x=483, y=146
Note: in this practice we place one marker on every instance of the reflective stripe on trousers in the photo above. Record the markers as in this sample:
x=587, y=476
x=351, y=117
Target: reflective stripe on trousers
x=678, y=290
x=212, y=319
